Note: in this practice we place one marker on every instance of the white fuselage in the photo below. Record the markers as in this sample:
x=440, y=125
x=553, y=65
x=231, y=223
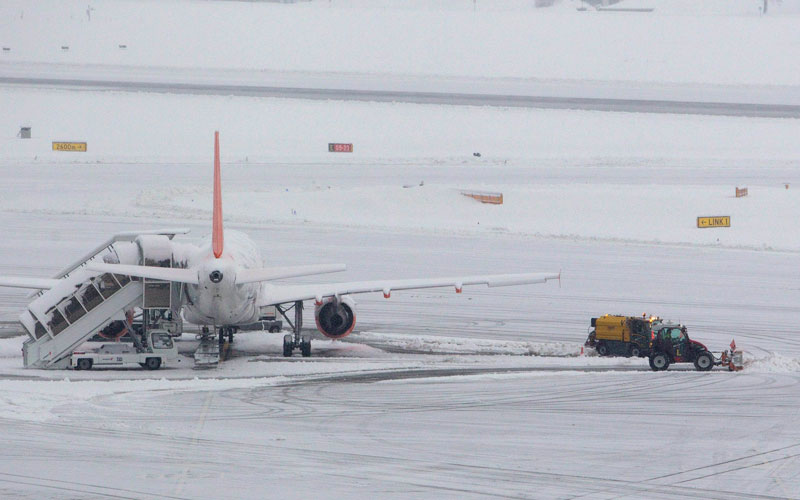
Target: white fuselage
x=217, y=300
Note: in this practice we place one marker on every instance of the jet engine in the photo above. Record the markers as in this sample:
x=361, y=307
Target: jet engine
x=336, y=317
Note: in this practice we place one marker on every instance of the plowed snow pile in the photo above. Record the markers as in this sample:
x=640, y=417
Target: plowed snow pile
x=774, y=363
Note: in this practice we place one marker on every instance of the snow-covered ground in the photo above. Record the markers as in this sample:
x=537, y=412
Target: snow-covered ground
x=436, y=394
x=554, y=168
x=711, y=51
x=142, y=127
x=727, y=44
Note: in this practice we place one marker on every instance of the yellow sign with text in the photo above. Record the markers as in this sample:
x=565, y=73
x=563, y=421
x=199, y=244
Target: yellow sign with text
x=720, y=221
x=69, y=146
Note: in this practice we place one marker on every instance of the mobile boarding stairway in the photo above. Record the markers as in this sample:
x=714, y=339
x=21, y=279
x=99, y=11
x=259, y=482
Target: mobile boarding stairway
x=82, y=303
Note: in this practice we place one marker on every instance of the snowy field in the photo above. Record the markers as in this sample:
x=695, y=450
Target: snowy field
x=713, y=42
x=435, y=394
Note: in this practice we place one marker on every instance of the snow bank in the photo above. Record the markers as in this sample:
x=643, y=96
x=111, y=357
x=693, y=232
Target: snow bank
x=459, y=345
x=773, y=363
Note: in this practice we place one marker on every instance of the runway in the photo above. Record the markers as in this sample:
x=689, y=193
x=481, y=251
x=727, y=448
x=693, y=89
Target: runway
x=740, y=109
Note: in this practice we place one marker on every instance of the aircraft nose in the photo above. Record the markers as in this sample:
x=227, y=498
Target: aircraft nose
x=215, y=276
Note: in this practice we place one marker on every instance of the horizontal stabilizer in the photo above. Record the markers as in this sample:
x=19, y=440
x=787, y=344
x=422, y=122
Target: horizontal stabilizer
x=132, y=235
x=31, y=283
x=150, y=272
x=275, y=273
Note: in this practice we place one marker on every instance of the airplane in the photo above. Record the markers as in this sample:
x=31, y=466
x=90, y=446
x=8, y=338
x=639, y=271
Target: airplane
x=226, y=286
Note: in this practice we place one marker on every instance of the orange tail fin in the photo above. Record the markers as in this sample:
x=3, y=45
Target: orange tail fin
x=216, y=235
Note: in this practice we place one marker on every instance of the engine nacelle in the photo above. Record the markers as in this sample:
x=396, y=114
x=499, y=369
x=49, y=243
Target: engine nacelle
x=336, y=318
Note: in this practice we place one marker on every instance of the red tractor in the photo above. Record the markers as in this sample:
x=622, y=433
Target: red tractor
x=671, y=344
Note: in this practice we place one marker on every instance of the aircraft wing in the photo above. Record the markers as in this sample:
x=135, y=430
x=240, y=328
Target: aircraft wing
x=30, y=283
x=280, y=294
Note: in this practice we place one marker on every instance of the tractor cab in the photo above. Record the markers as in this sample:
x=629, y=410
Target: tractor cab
x=673, y=340
x=671, y=344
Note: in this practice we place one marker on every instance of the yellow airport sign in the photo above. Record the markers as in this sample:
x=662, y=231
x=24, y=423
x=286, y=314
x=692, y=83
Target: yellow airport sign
x=69, y=146
x=719, y=221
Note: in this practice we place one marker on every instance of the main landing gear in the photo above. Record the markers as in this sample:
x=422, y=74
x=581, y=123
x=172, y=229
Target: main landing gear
x=295, y=341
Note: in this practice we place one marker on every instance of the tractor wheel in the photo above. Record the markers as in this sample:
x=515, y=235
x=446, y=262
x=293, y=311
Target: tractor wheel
x=704, y=362
x=602, y=349
x=635, y=352
x=659, y=362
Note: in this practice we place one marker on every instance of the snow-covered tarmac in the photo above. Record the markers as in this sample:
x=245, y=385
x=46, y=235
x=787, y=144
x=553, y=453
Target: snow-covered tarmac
x=436, y=394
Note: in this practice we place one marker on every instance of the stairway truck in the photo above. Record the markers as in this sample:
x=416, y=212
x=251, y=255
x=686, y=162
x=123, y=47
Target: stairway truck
x=160, y=351
x=621, y=335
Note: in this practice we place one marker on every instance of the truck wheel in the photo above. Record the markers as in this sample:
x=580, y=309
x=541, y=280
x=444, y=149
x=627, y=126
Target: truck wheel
x=659, y=362
x=704, y=362
x=84, y=364
x=602, y=349
x=635, y=351
x=152, y=363
x=274, y=329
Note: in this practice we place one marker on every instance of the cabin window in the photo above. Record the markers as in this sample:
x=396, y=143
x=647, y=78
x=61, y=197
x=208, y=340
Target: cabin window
x=108, y=285
x=57, y=322
x=73, y=310
x=122, y=279
x=90, y=297
x=39, y=330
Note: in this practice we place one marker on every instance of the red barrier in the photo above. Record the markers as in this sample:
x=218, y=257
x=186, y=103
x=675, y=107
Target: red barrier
x=484, y=197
